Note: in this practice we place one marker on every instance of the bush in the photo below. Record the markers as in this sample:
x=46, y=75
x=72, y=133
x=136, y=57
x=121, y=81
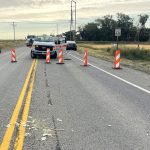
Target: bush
x=133, y=53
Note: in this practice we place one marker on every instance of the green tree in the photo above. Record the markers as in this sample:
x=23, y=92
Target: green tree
x=143, y=19
x=125, y=22
x=90, y=32
x=106, y=25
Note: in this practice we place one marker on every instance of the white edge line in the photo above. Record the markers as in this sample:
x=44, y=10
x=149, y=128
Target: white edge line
x=132, y=84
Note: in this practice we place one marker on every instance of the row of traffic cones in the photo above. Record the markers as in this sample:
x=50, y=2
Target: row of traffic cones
x=60, y=57
x=61, y=60
x=48, y=58
x=116, y=62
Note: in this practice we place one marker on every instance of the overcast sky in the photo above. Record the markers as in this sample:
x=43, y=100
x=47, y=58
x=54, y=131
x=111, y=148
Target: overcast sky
x=57, y=10
x=51, y=10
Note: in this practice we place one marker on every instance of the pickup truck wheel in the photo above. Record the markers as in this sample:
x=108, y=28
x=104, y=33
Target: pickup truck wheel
x=32, y=55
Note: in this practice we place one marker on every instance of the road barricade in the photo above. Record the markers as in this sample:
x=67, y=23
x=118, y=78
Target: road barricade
x=117, y=60
x=48, y=56
x=13, y=55
x=60, y=57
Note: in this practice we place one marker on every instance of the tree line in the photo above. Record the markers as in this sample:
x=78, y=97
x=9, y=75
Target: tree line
x=103, y=29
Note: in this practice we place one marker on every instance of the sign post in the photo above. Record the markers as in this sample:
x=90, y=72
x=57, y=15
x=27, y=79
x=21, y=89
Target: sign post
x=117, y=34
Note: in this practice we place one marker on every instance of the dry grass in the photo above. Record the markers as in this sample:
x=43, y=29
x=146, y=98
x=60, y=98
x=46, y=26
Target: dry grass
x=102, y=46
x=8, y=44
x=103, y=51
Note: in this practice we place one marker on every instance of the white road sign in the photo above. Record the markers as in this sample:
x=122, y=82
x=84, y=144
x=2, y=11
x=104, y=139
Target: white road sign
x=117, y=32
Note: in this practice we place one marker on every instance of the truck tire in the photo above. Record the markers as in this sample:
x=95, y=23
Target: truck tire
x=32, y=55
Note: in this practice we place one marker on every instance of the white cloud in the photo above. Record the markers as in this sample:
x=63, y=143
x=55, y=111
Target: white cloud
x=57, y=10
x=60, y=9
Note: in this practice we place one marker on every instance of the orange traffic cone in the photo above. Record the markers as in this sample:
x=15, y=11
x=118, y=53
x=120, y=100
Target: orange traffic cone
x=60, y=57
x=13, y=55
x=117, y=60
x=85, y=58
x=48, y=57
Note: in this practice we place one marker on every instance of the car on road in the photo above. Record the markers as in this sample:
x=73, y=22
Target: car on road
x=30, y=39
x=71, y=45
x=40, y=45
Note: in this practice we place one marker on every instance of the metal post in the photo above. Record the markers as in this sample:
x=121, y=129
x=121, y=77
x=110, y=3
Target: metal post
x=14, y=31
x=117, y=42
x=73, y=35
x=57, y=28
x=75, y=21
x=71, y=23
x=138, y=38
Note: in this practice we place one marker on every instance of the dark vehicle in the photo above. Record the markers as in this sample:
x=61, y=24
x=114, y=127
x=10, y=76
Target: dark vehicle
x=71, y=45
x=30, y=40
x=40, y=45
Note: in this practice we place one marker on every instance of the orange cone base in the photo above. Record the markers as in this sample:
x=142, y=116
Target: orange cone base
x=47, y=62
x=14, y=61
x=117, y=68
x=85, y=65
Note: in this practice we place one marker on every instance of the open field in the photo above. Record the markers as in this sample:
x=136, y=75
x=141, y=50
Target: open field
x=131, y=56
x=99, y=46
x=8, y=44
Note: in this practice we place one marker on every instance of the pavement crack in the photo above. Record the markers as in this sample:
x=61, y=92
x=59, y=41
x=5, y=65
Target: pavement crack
x=57, y=138
x=47, y=87
x=49, y=98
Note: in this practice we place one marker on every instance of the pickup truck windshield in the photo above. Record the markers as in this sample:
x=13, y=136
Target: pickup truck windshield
x=30, y=37
x=44, y=39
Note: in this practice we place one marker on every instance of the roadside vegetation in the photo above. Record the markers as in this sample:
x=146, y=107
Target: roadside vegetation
x=8, y=44
x=133, y=30
x=131, y=56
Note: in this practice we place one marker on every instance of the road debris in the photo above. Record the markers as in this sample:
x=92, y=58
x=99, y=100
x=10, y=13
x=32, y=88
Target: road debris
x=30, y=117
x=17, y=124
x=27, y=134
x=8, y=126
x=59, y=120
x=43, y=138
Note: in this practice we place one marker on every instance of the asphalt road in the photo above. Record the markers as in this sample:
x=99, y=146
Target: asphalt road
x=74, y=107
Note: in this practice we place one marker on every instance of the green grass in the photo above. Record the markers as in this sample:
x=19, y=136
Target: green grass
x=132, y=53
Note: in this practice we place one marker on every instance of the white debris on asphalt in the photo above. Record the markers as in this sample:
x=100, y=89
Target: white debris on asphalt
x=109, y=125
x=27, y=134
x=29, y=121
x=8, y=126
x=43, y=138
x=33, y=121
x=17, y=124
x=59, y=120
x=24, y=124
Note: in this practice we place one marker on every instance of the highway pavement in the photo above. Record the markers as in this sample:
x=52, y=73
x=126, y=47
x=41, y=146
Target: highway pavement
x=71, y=107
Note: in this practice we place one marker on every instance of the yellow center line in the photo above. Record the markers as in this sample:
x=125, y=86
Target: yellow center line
x=20, y=138
x=9, y=132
